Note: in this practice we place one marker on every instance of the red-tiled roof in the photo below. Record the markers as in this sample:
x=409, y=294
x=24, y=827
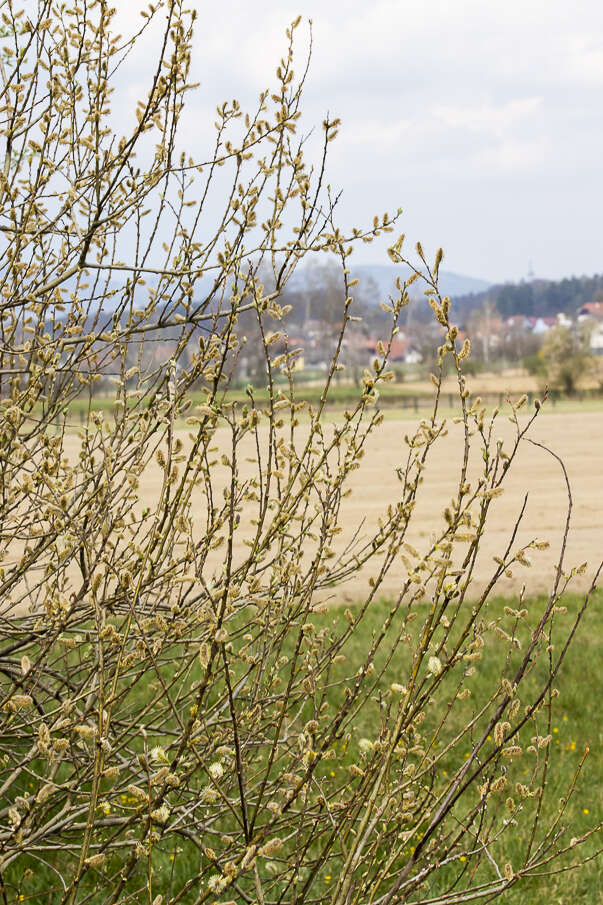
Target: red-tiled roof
x=398, y=348
x=595, y=309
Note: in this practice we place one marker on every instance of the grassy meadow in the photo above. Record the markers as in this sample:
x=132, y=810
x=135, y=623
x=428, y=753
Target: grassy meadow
x=575, y=722
x=576, y=725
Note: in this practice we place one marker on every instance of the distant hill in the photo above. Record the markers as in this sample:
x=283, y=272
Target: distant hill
x=384, y=275
x=538, y=298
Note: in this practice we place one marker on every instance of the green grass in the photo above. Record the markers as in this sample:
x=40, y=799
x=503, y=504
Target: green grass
x=396, y=401
x=576, y=724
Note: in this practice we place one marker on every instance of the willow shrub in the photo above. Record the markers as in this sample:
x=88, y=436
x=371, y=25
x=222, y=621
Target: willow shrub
x=171, y=703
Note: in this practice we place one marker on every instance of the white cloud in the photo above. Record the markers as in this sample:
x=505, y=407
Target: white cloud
x=495, y=119
x=513, y=156
x=586, y=57
x=467, y=105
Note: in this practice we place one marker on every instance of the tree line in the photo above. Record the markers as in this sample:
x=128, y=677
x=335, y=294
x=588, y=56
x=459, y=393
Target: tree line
x=538, y=298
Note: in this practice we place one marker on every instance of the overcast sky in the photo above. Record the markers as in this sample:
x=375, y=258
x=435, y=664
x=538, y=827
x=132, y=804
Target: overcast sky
x=482, y=119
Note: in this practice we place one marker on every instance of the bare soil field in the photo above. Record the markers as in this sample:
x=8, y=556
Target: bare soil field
x=513, y=381
x=576, y=437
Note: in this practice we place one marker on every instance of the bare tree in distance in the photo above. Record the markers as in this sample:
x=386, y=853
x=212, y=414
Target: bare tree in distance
x=174, y=693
